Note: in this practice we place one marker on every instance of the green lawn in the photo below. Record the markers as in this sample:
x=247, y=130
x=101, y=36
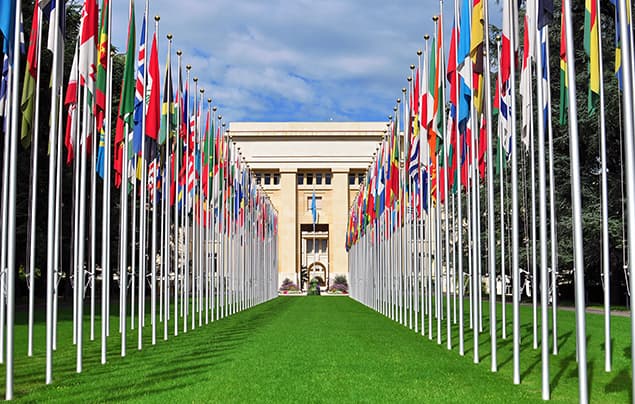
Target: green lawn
x=314, y=349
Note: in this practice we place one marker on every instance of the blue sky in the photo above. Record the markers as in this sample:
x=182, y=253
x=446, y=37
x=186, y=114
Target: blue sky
x=295, y=60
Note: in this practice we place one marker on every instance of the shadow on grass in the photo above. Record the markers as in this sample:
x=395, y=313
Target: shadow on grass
x=143, y=373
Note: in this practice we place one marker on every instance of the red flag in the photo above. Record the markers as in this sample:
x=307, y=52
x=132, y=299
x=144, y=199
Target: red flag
x=153, y=118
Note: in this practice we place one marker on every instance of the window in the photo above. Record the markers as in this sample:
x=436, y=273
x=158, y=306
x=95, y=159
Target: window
x=300, y=177
x=258, y=178
x=267, y=179
x=318, y=178
x=276, y=179
x=360, y=178
x=351, y=179
x=318, y=202
x=327, y=178
x=309, y=179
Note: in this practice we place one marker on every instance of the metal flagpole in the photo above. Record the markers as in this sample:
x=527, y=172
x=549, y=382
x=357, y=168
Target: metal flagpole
x=153, y=243
x=11, y=212
x=510, y=6
x=165, y=265
x=446, y=190
x=552, y=215
x=33, y=193
x=105, y=242
x=123, y=238
x=58, y=208
x=542, y=190
x=143, y=200
x=52, y=212
x=491, y=225
x=577, y=205
x=627, y=101
x=177, y=153
x=459, y=151
x=605, y=208
x=186, y=222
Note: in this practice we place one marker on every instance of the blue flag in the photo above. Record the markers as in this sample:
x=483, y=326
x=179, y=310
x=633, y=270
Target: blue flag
x=314, y=208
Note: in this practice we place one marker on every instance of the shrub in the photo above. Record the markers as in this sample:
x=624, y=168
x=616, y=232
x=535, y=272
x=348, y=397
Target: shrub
x=340, y=285
x=288, y=286
x=314, y=288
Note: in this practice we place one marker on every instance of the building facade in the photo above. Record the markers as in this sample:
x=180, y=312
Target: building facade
x=295, y=161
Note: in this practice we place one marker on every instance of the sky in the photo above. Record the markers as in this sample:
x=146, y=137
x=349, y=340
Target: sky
x=294, y=60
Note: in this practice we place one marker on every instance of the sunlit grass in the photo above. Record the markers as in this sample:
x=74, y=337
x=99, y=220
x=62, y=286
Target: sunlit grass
x=316, y=349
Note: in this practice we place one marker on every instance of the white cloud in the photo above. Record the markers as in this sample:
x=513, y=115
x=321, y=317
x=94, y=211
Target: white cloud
x=294, y=59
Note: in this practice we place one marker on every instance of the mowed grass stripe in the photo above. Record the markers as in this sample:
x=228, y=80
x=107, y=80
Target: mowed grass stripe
x=314, y=349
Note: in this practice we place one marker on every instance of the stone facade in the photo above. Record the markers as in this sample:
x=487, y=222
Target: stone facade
x=294, y=160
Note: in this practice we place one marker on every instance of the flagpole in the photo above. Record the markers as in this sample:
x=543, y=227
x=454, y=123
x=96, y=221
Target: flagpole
x=52, y=212
x=166, y=197
x=552, y=218
x=58, y=210
x=491, y=226
x=514, y=180
x=577, y=202
x=105, y=246
x=177, y=152
x=605, y=208
x=458, y=179
x=143, y=198
x=11, y=214
x=33, y=193
x=627, y=101
x=153, y=203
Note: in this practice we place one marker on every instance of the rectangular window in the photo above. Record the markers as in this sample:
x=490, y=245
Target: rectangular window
x=360, y=178
x=351, y=179
x=267, y=179
x=258, y=178
x=300, y=177
x=309, y=179
x=318, y=179
x=276, y=179
x=327, y=178
x=318, y=202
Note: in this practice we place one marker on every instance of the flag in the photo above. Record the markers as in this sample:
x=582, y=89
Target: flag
x=476, y=54
x=102, y=66
x=7, y=24
x=525, y=82
x=50, y=8
x=591, y=48
x=88, y=46
x=618, y=40
x=28, y=89
x=564, y=82
x=545, y=13
x=168, y=115
x=153, y=117
x=125, y=121
x=463, y=60
x=313, y=208
x=140, y=89
x=71, y=104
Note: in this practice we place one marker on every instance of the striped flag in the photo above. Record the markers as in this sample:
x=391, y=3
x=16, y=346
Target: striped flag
x=71, y=104
x=564, y=81
x=102, y=61
x=591, y=48
x=28, y=88
x=125, y=119
x=139, y=93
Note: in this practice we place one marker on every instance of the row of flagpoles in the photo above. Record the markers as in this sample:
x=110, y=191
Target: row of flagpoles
x=414, y=234
x=195, y=230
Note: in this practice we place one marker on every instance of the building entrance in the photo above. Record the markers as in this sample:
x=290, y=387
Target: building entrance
x=314, y=252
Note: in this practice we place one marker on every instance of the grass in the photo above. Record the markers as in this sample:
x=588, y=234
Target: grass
x=315, y=349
